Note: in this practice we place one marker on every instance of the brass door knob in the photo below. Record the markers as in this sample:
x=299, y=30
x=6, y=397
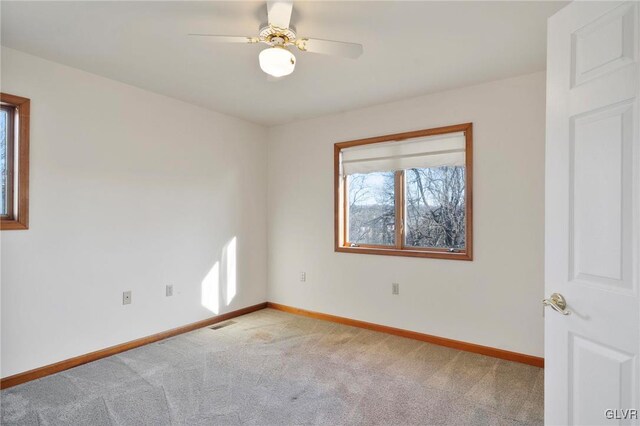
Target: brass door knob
x=558, y=303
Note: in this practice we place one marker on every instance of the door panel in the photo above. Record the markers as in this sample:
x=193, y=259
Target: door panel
x=601, y=179
x=591, y=362
x=604, y=45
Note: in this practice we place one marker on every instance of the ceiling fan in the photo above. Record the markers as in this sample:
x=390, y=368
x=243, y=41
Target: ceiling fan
x=277, y=60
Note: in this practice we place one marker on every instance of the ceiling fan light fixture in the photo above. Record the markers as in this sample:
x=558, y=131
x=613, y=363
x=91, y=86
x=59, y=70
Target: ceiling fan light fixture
x=277, y=61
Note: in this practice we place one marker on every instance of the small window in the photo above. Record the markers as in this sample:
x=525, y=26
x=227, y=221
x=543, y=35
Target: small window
x=406, y=194
x=14, y=162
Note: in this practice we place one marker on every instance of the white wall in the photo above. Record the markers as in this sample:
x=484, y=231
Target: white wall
x=132, y=191
x=129, y=191
x=494, y=300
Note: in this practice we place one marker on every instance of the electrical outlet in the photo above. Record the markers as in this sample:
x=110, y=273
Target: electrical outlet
x=303, y=277
x=169, y=290
x=126, y=297
x=395, y=288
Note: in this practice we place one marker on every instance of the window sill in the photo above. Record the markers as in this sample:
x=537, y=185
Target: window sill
x=406, y=252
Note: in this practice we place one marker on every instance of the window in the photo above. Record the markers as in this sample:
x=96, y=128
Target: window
x=406, y=194
x=14, y=162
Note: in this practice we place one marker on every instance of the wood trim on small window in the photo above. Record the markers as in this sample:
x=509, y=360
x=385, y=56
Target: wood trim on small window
x=17, y=216
x=341, y=209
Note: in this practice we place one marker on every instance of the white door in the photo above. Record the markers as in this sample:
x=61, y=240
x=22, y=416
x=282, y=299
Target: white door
x=593, y=215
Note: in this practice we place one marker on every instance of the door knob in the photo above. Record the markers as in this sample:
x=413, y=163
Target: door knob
x=558, y=303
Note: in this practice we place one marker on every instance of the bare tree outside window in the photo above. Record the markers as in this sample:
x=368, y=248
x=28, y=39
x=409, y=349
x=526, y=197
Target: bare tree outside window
x=371, y=208
x=435, y=207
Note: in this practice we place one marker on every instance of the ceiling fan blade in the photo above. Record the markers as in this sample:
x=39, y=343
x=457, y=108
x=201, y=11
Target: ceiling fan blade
x=329, y=47
x=279, y=13
x=228, y=39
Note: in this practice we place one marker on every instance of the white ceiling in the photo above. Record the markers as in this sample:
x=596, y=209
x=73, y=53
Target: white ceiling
x=410, y=49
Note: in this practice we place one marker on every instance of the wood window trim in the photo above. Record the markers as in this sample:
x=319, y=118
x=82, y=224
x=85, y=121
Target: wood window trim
x=341, y=208
x=18, y=215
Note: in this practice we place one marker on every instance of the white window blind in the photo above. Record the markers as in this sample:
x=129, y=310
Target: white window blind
x=423, y=152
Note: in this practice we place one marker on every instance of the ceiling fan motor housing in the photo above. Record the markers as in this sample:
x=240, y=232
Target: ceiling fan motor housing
x=277, y=36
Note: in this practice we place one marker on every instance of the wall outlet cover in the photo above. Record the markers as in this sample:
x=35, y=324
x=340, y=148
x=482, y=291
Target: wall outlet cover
x=169, y=290
x=126, y=297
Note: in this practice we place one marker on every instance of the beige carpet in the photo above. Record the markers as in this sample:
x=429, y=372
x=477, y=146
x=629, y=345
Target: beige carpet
x=273, y=368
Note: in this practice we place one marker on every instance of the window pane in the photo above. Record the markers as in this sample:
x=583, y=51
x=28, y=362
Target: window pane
x=435, y=207
x=371, y=208
x=4, y=180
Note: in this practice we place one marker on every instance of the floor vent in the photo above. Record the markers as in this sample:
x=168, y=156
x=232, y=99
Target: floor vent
x=222, y=325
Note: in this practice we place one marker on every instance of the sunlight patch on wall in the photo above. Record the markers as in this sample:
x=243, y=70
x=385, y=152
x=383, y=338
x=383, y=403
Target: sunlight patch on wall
x=230, y=251
x=211, y=289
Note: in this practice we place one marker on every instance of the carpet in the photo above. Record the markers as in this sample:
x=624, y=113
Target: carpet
x=275, y=368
